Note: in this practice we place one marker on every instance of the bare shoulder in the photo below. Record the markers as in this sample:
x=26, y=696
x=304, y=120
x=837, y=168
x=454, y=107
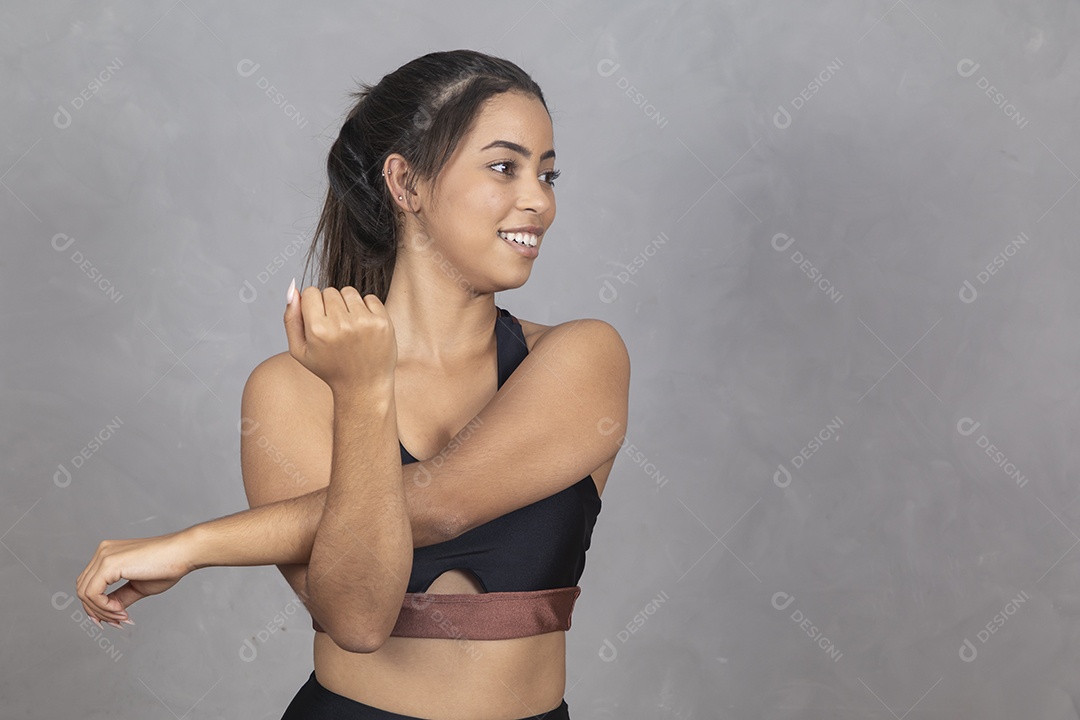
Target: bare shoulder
x=281, y=385
x=532, y=331
x=286, y=429
x=590, y=335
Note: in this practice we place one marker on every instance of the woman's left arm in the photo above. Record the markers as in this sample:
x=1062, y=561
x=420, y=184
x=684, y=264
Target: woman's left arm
x=561, y=414
x=361, y=557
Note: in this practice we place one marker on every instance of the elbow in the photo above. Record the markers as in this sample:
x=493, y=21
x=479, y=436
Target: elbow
x=352, y=632
x=356, y=643
x=354, y=635
x=450, y=526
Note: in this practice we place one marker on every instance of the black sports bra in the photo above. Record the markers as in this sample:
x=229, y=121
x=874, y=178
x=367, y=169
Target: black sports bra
x=536, y=547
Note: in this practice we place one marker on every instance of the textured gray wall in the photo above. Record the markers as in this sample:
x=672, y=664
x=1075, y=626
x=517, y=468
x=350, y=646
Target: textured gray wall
x=835, y=236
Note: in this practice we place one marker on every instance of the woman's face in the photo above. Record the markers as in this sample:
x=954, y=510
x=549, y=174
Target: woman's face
x=499, y=178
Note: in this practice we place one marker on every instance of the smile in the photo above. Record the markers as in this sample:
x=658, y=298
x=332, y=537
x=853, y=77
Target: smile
x=520, y=238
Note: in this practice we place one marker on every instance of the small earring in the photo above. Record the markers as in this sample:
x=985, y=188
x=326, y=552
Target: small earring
x=400, y=198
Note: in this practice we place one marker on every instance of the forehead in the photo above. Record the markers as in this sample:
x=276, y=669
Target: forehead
x=515, y=117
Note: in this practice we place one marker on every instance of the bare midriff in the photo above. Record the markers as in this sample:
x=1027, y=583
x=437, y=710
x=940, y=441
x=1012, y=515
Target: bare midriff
x=456, y=679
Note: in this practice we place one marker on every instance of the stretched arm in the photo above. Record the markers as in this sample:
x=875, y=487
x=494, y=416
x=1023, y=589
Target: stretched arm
x=569, y=394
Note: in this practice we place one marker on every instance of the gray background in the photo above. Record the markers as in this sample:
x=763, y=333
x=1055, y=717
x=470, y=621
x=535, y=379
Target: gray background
x=849, y=484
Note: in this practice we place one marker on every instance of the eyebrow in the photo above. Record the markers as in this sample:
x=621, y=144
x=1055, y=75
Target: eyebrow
x=520, y=149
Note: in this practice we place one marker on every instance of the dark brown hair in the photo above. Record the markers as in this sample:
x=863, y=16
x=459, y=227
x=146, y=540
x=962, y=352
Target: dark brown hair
x=421, y=111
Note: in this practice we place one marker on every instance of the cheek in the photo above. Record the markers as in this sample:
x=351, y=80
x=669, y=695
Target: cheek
x=481, y=212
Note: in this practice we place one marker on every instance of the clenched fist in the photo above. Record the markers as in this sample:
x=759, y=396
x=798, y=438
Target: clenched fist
x=343, y=338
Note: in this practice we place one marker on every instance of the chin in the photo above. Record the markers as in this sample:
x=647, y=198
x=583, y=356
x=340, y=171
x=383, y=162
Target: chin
x=505, y=282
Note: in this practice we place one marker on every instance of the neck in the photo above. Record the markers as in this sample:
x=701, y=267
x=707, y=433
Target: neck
x=436, y=321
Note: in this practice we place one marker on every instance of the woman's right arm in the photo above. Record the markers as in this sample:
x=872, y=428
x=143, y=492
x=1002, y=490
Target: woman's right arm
x=286, y=448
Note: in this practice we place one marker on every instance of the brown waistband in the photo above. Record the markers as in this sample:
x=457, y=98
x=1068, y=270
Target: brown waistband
x=484, y=616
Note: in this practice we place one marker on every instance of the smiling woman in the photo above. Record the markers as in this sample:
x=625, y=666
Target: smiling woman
x=441, y=584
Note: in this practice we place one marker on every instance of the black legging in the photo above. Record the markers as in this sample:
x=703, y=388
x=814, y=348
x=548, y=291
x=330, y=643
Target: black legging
x=315, y=702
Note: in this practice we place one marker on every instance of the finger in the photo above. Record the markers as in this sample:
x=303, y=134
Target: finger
x=95, y=590
x=126, y=595
x=90, y=565
x=93, y=616
x=97, y=613
x=84, y=582
x=312, y=308
x=87, y=573
x=353, y=301
x=375, y=305
x=78, y=580
x=294, y=326
x=333, y=302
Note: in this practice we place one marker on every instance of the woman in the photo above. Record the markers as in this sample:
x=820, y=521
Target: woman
x=441, y=587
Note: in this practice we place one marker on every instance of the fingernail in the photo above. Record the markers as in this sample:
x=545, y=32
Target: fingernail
x=114, y=624
x=96, y=621
x=291, y=292
x=129, y=621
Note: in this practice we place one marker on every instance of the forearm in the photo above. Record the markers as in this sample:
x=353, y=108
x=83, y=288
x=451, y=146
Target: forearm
x=361, y=557
x=279, y=533
x=282, y=533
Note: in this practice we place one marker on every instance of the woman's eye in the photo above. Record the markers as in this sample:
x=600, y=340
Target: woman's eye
x=549, y=175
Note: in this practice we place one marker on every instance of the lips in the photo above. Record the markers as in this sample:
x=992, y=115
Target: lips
x=522, y=248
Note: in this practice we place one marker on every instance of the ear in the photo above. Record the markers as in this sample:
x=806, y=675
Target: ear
x=396, y=173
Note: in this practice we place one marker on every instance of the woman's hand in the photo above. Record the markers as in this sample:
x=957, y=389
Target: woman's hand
x=345, y=339
x=150, y=565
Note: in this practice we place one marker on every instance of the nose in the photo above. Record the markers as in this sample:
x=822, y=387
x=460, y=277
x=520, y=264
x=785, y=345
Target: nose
x=535, y=195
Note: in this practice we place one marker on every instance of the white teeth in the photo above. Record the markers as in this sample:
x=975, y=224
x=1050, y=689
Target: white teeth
x=521, y=238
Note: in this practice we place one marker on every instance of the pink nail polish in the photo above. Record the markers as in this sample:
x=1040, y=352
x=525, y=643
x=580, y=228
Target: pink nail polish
x=291, y=292
x=129, y=621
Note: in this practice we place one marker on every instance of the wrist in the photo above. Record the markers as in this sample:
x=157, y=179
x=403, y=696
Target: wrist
x=194, y=545
x=378, y=397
